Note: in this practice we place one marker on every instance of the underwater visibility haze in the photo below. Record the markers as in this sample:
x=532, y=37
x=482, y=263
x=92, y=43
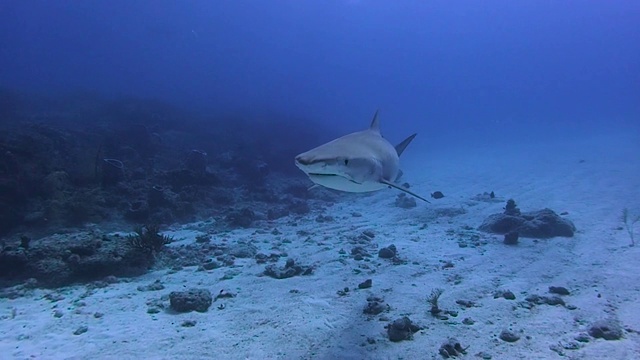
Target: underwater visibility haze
x=343, y=179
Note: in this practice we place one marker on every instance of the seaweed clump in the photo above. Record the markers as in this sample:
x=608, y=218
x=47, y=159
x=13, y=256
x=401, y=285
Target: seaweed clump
x=148, y=238
x=433, y=300
x=628, y=222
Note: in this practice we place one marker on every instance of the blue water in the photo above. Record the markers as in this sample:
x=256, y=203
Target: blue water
x=463, y=70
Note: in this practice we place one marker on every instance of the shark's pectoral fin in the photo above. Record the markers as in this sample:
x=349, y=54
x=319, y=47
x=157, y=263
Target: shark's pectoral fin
x=402, y=188
x=403, y=145
x=399, y=176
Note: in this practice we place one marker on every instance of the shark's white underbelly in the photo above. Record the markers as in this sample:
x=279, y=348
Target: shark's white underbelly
x=343, y=184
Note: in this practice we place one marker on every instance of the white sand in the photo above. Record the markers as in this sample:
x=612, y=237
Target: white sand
x=267, y=321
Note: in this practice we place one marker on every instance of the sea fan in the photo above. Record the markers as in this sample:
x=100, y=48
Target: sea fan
x=628, y=223
x=148, y=238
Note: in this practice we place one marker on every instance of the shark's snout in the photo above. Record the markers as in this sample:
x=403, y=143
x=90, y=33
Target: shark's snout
x=302, y=160
x=305, y=159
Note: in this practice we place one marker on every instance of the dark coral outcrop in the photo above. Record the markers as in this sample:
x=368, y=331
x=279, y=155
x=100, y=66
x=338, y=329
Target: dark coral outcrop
x=540, y=224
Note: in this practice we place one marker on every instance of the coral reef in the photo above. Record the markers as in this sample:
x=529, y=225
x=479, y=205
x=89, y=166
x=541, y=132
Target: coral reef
x=132, y=164
x=62, y=260
x=543, y=223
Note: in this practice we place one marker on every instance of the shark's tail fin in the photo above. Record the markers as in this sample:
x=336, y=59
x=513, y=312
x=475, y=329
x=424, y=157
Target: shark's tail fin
x=403, y=145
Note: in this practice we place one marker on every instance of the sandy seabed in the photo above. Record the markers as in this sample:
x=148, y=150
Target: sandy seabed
x=304, y=317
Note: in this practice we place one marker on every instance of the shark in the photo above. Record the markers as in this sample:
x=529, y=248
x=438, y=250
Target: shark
x=362, y=161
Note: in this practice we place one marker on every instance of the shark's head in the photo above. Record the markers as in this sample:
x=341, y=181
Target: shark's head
x=339, y=172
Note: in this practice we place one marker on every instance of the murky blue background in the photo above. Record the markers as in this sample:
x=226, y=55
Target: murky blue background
x=494, y=70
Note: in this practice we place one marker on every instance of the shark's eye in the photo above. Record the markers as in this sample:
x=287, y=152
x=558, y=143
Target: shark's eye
x=346, y=162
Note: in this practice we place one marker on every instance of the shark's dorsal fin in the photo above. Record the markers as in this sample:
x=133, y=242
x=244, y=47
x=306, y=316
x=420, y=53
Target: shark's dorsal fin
x=375, y=124
x=403, y=145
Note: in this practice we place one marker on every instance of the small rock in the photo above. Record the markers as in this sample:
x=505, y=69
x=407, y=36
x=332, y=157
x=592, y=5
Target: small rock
x=154, y=286
x=191, y=300
x=324, y=218
x=511, y=238
x=401, y=329
x=388, y=252
x=606, y=329
x=365, y=284
x=511, y=208
x=375, y=306
x=226, y=259
x=243, y=251
x=509, y=336
x=368, y=233
x=405, y=202
x=359, y=253
x=275, y=213
x=299, y=207
x=81, y=330
x=465, y=303
x=452, y=313
x=343, y=292
x=504, y=294
x=53, y=297
x=290, y=269
x=241, y=218
x=210, y=265
x=553, y=300
x=452, y=348
x=224, y=295
x=548, y=300
x=559, y=290
x=203, y=238
x=100, y=284
x=582, y=337
x=468, y=321
x=571, y=345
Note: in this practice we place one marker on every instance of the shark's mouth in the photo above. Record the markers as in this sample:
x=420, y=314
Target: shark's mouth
x=318, y=174
x=312, y=175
